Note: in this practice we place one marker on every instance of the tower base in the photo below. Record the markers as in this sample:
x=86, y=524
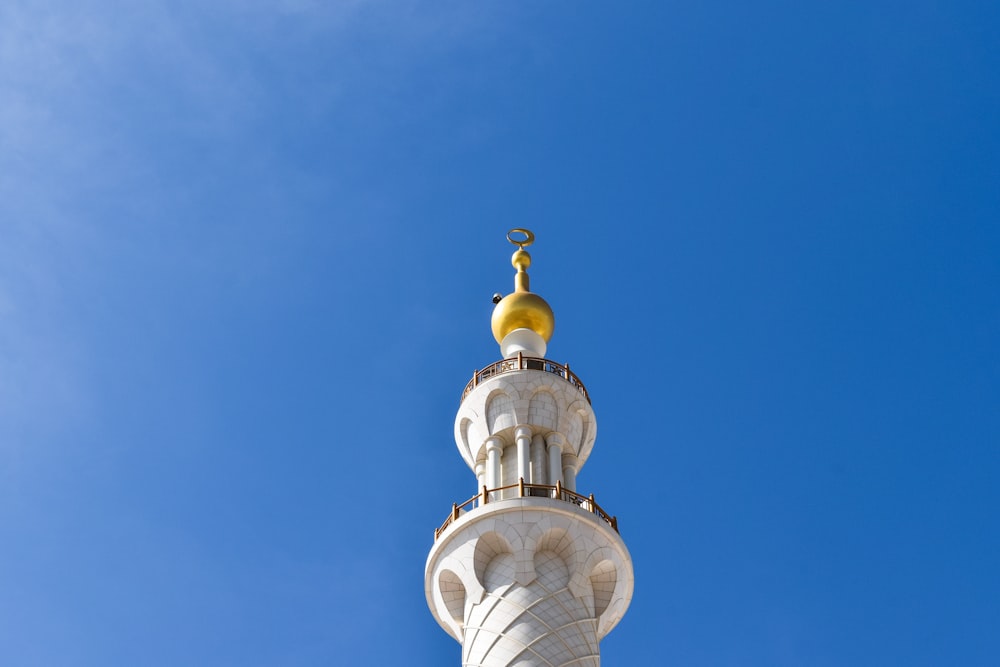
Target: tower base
x=529, y=581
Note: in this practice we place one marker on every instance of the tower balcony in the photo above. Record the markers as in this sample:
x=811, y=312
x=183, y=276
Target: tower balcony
x=524, y=490
x=521, y=363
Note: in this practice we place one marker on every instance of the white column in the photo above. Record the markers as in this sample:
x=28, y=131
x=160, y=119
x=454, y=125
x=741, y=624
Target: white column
x=522, y=438
x=538, y=460
x=555, y=444
x=569, y=465
x=480, y=476
x=494, y=448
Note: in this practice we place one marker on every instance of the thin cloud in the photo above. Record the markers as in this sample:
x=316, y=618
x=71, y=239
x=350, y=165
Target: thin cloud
x=86, y=91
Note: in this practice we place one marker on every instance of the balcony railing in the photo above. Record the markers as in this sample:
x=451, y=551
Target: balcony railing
x=520, y=363
x=558, y=492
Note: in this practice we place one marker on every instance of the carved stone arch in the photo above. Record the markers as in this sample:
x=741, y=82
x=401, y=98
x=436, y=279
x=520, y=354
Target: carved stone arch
x=543, y=409
x=551, y=570
x=453, y=595
x=573, y=428
x=603, y=581
x=610, y=618
x=604, y=568
x=580, y=418
x=489, y=547
x=463, y=431
x=499, y=412
x=454, y=586
x=587, y=435
x=589, y=429
x=456, y=562
x=501, y=572
x=559, y=540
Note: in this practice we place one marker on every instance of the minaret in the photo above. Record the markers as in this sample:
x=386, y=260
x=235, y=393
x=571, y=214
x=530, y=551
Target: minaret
x=528, y=572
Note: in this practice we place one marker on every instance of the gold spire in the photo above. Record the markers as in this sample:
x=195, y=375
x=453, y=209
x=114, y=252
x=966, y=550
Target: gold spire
x=522, y=309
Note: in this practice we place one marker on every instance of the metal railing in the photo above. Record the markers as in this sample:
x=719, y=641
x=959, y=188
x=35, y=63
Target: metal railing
x=558, y=492
x=520, y=363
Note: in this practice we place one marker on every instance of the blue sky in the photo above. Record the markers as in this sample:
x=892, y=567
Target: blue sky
x=247, y=251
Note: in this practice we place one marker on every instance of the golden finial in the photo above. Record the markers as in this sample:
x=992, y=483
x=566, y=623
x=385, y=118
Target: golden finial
x=521, y=259
x=522, y=309
x=528, y=239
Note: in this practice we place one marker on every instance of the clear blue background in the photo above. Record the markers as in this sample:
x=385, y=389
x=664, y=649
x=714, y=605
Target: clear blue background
x=247, y=251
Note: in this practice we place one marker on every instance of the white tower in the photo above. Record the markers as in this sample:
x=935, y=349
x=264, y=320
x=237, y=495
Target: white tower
x=528, y=572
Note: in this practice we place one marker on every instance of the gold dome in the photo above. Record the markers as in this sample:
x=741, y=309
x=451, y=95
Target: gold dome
x=522, y=309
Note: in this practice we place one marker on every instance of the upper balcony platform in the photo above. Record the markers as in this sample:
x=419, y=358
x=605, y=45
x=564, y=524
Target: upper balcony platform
x=524, y=490
x=521, y=363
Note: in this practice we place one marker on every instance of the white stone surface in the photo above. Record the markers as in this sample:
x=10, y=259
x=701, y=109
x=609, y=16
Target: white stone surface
x=545, y=402
x=533, y=581
x=524, y=341
x=529, y=582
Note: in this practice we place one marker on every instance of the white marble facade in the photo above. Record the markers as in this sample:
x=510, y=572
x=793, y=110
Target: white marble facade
x=529, y=581
x=551, y=411
x=532, y=581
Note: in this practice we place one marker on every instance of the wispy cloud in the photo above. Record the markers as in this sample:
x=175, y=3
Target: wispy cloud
x=49, y=57
x=105, y=111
